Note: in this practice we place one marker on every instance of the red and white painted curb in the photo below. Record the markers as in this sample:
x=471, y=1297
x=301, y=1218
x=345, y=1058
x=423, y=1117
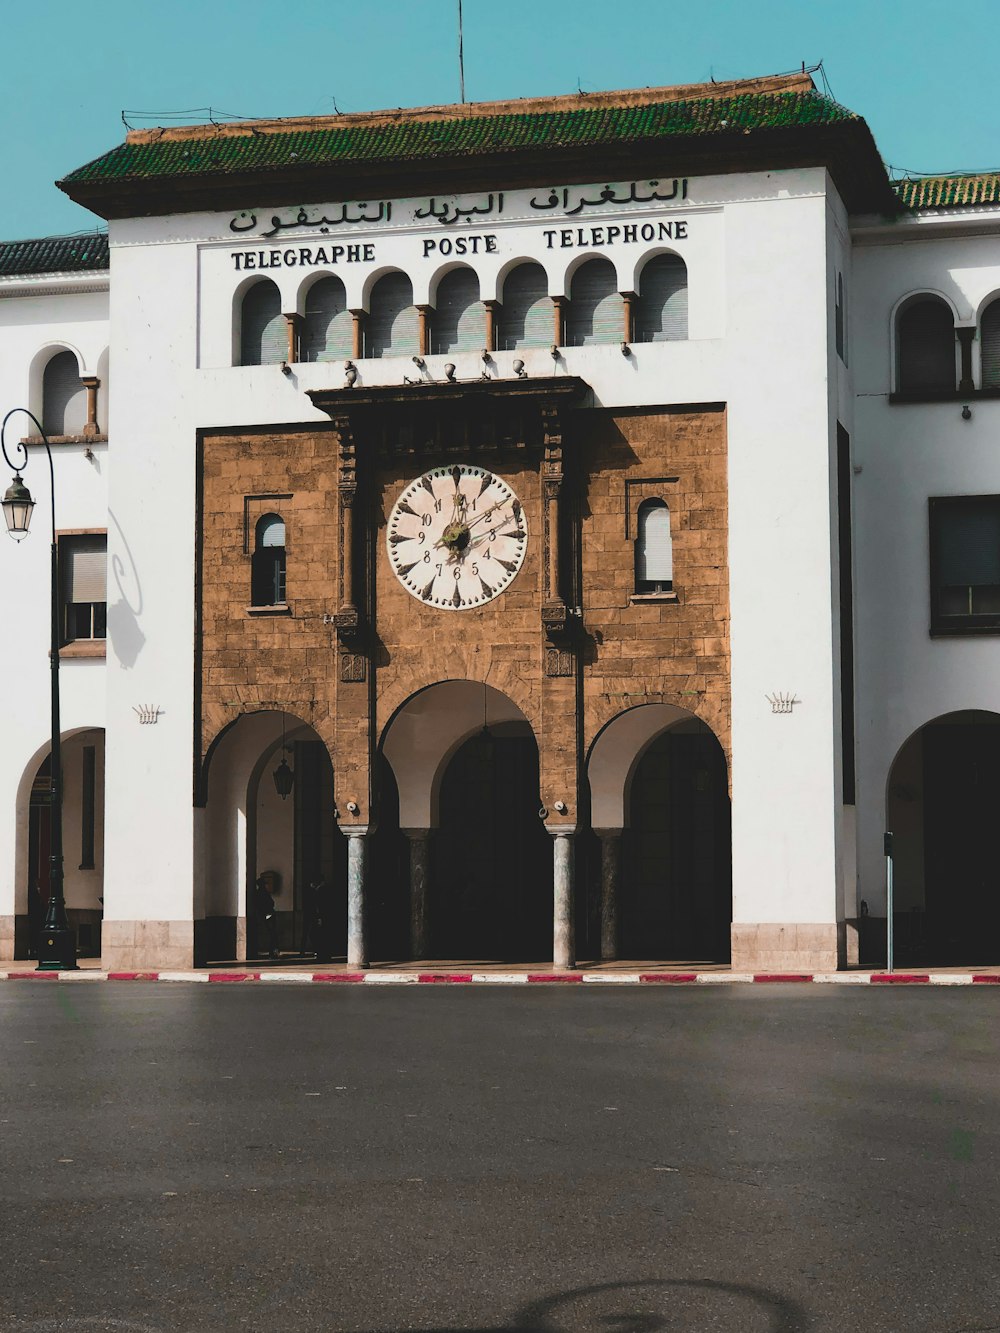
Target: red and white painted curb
x=380, y=978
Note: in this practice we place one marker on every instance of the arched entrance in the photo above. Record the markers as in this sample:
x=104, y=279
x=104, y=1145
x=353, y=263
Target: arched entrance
x=83, y=843
x=269, y=813
x=480, y=861
x=660, y=806
x=943, y=796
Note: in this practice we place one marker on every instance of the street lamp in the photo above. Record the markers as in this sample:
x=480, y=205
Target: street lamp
x=57, y=945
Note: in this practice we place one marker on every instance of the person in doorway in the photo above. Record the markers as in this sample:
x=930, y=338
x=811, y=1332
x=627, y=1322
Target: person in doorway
x=267, y=924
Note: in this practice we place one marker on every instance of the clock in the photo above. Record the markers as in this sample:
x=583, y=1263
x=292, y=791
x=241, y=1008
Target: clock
x=457, y=537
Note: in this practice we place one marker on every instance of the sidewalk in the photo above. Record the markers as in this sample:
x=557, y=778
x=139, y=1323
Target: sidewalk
x=297, y=970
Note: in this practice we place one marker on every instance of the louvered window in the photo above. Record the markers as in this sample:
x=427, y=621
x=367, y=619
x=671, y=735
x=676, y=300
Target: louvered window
x=64, y=399
x=654, y=558
x=526, y=318
x=596, y=308
x=328, y=326
x=990, y=346
x=267, y=569
x=263, y=330
x=83, y=568
x=393, y=325
x=459, y=315
x=661, y=313
x=965, y=564
x=926, y=337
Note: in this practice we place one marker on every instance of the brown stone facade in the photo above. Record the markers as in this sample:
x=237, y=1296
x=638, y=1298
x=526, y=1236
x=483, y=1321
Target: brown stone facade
x=569, y=642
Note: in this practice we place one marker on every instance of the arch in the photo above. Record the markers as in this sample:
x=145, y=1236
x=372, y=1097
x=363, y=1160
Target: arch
x=654, y=557
x=459, y=322
x=64, y=398
x=263, y=330
x=940, y=803
x=989, y=345
x=525, y=318
x=596, y=311
x=661, y=312
x=925, y=345
x=327, y=323
x=268, y=562
x=392, y=327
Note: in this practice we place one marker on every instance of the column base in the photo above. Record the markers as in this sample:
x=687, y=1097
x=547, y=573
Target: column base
x=787, y=947
x=7, y=927
x=143, y=946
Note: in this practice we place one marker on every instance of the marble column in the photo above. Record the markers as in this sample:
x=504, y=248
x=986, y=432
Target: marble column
x=563, y=942
x=420, y=848
x=357, y=864
x=611, y=861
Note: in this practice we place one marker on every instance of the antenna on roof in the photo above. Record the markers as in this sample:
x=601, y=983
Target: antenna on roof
x=461, y=57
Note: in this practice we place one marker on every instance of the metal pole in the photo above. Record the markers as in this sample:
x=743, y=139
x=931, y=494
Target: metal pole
x=57, y=945
x=888, y=902
x=461, y=57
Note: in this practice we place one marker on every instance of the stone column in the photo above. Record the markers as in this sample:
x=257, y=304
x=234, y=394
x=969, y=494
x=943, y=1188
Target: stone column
x=629, y=300
x=558, y=320
x=357, y=862
x=966, y=337
x=563, y=942
x=420, y=848
x=91, y=383
x=491, y=308
x=424, y=317
x=611, y=860
x=357, y=334
x=294, y=323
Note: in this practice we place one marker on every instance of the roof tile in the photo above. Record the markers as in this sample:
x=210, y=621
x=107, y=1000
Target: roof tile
x=54, y=254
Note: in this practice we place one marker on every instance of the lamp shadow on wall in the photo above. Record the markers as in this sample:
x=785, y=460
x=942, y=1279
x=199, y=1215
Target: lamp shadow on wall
x=127, y=639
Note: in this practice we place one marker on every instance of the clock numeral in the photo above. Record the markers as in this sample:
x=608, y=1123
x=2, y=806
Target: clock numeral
x=427, y=557
x=425, y=520
x=437, y=506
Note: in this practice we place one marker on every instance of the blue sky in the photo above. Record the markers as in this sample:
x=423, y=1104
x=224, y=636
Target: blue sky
x=922, y=74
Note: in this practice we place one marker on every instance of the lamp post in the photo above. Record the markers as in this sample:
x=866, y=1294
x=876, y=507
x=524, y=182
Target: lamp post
x=57, y=944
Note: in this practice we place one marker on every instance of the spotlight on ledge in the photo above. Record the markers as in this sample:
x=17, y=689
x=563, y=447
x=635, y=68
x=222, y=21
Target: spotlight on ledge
x=626, y=350
x=966, y=412
x=519, y=370
x=485, y=354
x=285, y=368
x=449, y=372
x=419, y=362
x=350, y=373
x=554, y=352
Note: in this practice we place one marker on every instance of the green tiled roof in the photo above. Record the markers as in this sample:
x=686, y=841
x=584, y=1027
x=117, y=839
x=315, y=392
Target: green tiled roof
x=54, y=254
x=414, y=140
x=949, y=191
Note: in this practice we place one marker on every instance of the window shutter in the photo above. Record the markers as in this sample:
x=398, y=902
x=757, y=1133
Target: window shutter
x=85, y=569
x=662, y=308
x=926, y=348
x=328, y=327
x=990, y=346
x=460, y=316
x=526, y=318
x=654, y=557
x=596, y=309
x=64, y=399
x=263, y=331
x=393, y=325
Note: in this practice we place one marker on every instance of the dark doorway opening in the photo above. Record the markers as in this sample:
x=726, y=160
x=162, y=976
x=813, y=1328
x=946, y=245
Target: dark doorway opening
x=388, y=878
x=676, y=886
x=491, y=886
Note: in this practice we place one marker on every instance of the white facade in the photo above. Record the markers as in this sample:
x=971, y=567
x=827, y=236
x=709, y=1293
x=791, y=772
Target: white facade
x=764, y=252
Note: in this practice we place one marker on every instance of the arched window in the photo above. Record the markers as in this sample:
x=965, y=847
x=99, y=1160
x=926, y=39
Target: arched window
x=654, y=556
x=263, y=331
x=661, y=313
x=596, y=308
x=328, y=326
x=459, y=315
x=64, y=399
x=393, y=325
x=926, y=347
x=990, y=345
x=267, y=570
x=525, y=319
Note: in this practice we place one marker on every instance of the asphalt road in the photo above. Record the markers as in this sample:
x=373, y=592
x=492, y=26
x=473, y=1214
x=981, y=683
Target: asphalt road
x=794, y=1159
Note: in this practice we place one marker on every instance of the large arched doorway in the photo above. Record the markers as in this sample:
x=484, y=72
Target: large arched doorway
x=479, y=887
x=660, y=808
x=943, y=795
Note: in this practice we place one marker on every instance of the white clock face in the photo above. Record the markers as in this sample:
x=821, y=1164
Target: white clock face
x=457, y=537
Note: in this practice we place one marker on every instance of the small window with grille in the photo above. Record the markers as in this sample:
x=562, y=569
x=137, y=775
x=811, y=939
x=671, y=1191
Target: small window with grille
x=83, y=569
x=267, y=573
x=654, y=560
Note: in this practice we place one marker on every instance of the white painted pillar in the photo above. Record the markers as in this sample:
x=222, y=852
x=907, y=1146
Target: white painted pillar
x=563, y=942
x=420, y=840
x=357, y=864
